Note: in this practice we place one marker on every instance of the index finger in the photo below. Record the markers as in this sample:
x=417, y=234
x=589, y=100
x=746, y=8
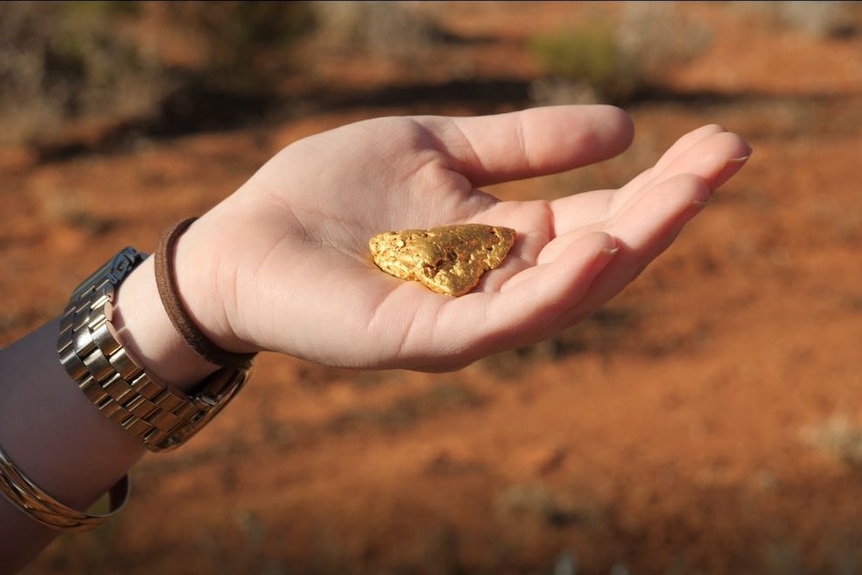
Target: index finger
x=539, y=141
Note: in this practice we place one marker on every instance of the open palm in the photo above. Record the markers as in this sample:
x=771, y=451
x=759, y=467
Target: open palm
x=296, y=277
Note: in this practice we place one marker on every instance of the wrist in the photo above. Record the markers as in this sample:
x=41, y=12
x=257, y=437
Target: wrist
x=146, y=331
x=148, y=395
x=205, y=286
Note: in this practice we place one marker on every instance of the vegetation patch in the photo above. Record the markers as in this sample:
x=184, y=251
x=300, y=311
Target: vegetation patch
x=839, y=437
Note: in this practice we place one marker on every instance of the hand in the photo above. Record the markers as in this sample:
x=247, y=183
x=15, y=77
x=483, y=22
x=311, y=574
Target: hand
x=283, y=263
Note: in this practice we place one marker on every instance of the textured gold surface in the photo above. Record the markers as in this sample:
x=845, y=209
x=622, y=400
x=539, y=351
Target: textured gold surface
x=449, y=260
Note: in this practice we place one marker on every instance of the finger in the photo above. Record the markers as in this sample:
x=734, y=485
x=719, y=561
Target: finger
x=682, y=145
x=706, y=157
x=667, y=206
x=714, y=158
x=521, y=313
x=659, y=212
x=600, y=201
x=711, y=153
x=534, y=142
x=645, y=230
x=686, y=142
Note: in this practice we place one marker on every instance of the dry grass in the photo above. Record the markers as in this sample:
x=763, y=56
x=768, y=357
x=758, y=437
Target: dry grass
x=839, y=437
x=60, y=61
x=80, y=63
x=829, y=19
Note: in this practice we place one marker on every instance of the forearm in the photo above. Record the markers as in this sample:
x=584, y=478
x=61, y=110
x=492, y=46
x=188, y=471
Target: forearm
x=56, y=436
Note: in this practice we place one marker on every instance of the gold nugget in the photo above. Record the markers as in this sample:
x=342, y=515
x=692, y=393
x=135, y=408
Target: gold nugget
x=449, y=260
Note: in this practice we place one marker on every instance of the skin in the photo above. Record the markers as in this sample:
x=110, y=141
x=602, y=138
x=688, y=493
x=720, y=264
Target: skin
x=281, y=265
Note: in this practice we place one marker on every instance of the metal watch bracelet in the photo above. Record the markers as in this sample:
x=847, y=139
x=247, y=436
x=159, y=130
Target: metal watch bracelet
x=93, y=355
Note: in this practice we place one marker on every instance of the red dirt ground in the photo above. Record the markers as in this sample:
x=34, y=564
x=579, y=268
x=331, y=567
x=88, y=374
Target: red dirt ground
x=708, y=421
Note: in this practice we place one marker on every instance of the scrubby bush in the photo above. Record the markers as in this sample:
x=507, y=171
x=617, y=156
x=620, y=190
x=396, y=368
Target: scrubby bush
x=616, y=57
x=247, y=45
x=587, y=55
x=68, y=60
x=822, y=19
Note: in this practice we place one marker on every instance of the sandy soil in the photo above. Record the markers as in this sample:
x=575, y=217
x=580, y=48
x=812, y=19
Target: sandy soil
x=709, y=420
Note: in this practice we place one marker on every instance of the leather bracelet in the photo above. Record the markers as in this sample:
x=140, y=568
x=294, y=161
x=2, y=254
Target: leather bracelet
x=166, y=280
x=21, y=492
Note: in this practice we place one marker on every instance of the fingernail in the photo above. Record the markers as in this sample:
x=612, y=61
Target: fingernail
x=729, y=169
x=739, y=160
x=610, y=251
x=699, y=203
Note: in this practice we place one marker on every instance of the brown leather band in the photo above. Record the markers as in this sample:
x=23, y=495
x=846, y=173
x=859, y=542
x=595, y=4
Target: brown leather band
x=166, y=280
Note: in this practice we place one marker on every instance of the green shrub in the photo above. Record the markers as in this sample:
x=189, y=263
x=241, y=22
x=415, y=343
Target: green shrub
x=587, y=54
x=623, y=56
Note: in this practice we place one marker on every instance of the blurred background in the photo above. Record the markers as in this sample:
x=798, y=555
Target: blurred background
x=708, y=420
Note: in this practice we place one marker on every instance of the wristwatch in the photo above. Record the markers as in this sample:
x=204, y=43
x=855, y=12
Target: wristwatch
x=93, y=355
